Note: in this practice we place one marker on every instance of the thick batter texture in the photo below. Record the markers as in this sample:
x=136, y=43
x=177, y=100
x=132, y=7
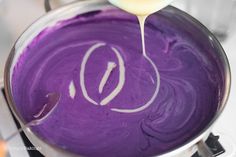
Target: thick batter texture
x=115, y=102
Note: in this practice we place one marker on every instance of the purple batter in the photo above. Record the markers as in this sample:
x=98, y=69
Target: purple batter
x=190, y=83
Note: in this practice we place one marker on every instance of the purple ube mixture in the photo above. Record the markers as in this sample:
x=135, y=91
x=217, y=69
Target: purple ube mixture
x=190, y=84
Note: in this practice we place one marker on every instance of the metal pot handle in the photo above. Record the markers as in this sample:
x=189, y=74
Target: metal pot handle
x=204, y=150
x=47, y=5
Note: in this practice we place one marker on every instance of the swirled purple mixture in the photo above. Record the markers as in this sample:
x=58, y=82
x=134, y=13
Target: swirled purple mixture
x=95, y=62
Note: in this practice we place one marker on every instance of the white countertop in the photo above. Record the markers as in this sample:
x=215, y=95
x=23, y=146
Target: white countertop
x=15, y=17
x=227, y=121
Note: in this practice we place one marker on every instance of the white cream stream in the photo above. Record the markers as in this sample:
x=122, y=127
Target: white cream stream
x=142, y=20
x=142, y=9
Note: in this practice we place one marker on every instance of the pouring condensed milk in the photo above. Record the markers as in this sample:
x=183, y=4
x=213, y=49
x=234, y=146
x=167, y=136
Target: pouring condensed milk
x=142, y=9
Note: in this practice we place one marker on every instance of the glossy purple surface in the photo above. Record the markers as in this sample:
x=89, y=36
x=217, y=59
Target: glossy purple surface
x=190, y=84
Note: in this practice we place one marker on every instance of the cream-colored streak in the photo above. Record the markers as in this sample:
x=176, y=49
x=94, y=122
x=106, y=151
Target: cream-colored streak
x=72, y=89
x=40, y=112
x=121, y=82
x=110, y=67
x=142, y=20
x=151, y=78
x=152, y=98
x=44, y=108
x=82, y=71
